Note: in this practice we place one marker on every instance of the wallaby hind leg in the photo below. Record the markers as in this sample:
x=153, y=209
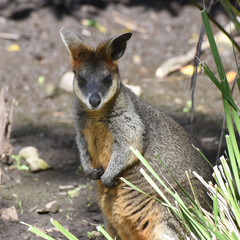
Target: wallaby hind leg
x=111, y=230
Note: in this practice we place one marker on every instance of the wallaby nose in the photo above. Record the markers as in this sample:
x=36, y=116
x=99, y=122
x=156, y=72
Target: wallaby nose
x=95, y=100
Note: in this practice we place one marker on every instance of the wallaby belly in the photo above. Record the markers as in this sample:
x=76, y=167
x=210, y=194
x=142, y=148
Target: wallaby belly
x=131, y=215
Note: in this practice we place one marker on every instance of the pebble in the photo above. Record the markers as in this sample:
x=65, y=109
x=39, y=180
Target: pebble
x=29, y=151
x=66, y=82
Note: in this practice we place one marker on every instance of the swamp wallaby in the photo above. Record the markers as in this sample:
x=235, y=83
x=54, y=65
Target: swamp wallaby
x=109, y=118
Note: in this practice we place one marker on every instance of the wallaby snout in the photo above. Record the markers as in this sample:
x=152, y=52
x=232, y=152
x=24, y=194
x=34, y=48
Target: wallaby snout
x=95, y=100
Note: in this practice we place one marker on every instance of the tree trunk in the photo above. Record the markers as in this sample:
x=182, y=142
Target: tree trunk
x=6, y=120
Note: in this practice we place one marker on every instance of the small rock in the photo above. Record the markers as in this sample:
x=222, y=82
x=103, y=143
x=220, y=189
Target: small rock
x=86, y=33
x=52, y=206
x=28, y=152
x=50, y=89
x=37, y=164
x=9, y=214
x=178, y=100
x=202, y=109
x=66, y=82
x=137, y=59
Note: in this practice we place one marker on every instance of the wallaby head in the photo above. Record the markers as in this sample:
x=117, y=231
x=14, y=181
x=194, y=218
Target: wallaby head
x=96, y=76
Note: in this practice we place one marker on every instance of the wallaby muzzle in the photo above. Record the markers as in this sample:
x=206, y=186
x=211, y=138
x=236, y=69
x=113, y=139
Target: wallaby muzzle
x=95, y=100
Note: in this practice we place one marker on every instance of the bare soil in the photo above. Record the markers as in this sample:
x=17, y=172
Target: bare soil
x=164, y=29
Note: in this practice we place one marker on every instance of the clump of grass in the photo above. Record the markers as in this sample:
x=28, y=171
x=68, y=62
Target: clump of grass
x=63, y=230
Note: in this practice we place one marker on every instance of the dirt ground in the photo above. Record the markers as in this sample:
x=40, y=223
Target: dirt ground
x=163, y=29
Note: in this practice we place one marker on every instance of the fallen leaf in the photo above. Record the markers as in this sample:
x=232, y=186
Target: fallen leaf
x=93, y=23
x=188, y=70
x=41, y=80
x=37, y=164
x=93, y=234
x=13, y=48
x=76, y=191
x=9, y=214
x=231, y=76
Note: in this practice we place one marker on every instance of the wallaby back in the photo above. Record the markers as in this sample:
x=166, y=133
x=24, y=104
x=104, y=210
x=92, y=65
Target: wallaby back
x=109, y=119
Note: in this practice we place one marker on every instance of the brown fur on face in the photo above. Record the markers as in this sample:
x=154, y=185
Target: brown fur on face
x=85, y=54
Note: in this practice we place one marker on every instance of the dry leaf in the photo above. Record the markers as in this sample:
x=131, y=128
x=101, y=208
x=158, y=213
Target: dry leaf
x=37, y=164
x=188, y=70
x=9, y=214
x=13, y=48
x=231, y=76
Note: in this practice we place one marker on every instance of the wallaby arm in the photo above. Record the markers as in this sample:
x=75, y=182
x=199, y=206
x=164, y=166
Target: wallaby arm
x=93, y=173
x=116, y=164
x=128, y=130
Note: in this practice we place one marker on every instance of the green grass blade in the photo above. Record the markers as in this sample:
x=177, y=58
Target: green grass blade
x=221, y=28
x=231, y=131
x=38, y=232
x=228, y=177
x=64, y=231
x=238, y=82
x=156, y=188
x=236, y=119
x=215, y=211
x=178, y=184
x=213, y=47
x=147, y=165
x=104, y=233
x=226, y=93
x=202, y=154
x=228, y=8
x=233, y=163
x=194, y=194
x=138, y=189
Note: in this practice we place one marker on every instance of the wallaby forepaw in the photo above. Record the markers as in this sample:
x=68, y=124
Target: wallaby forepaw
x=109, y=184
x=96, y=173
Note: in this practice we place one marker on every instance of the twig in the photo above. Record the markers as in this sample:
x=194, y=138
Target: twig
x=9, y=36
x=196, y=63
x=6, y=120
x=126, y=23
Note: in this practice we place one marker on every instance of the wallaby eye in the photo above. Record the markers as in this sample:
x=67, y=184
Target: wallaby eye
x=107, y=80
x=81, y=80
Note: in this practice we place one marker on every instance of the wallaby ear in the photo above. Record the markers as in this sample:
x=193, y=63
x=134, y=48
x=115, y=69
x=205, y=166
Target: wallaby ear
x=73, y=44
x=117, y=46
